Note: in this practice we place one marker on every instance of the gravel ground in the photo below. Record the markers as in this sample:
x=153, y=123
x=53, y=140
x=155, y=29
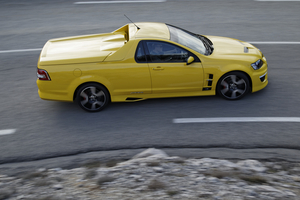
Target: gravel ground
x=153, y=174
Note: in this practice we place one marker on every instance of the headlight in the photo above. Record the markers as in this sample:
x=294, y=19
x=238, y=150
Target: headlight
x=257, y=64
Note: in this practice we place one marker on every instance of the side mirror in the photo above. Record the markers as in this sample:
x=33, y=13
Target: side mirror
x=190, y=60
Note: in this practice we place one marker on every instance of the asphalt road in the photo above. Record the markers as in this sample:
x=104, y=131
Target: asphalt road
x=49, y=129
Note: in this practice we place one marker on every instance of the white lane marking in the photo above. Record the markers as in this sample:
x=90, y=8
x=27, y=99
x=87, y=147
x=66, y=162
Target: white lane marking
x=277, y=0
x=19, y=50
x=236, y=119
x=7, y=131
x=275, y=42
x=142, y=1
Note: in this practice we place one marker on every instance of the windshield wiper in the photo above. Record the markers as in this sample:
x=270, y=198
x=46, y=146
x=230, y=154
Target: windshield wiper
x=207, y=43
x=208, y=49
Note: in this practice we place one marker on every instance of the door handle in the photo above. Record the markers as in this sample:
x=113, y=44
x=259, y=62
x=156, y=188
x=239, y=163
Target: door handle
x=158, y=68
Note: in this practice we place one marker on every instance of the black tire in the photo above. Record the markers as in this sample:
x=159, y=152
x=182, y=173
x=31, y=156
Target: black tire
x=92, y=97
x=233, y=85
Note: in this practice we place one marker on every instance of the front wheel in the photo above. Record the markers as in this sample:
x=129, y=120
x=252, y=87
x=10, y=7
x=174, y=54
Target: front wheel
x=92, y=97
x=233, y=85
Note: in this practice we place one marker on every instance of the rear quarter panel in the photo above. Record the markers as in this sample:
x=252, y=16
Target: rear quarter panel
x=120, y=74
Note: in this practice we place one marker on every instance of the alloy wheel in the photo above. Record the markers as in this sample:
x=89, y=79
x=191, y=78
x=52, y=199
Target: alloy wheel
x=92, y=98
x=233, y=86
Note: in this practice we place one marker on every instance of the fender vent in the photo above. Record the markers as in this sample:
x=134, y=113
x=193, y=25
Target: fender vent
x=209, y=82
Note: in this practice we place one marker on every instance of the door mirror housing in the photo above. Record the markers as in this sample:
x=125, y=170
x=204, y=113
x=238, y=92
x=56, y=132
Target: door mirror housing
x=190, y=60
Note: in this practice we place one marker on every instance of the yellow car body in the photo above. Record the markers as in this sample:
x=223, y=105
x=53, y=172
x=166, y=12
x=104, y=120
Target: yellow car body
x=121, y=62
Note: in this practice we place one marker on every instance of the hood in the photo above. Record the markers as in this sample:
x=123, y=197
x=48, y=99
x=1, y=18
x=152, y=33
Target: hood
x=233, y=47
x=81, y=49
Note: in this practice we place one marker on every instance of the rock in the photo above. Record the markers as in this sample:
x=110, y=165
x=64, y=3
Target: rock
x=205, y=194
x=200, y=179
x=103, y=170
x=7, y=192
x=42, y=170
x=7, y=179
x=213, y=179
x=57, y=187
x=151, y=152
x=55, y=169
x=158, y=169
x=265, y=188
x=252, y=165
x=135, y=176
x=296, y=178
x=277, y=167
x=224, y=194
x=241, y=184
x=295, y=169
x=282, y=173
x=20, y=197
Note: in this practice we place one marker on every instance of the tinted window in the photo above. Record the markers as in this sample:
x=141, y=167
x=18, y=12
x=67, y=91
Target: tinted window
x=165, y=52
x=140, y=55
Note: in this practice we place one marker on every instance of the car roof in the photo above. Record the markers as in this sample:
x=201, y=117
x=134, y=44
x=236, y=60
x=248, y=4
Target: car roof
x=146, y=30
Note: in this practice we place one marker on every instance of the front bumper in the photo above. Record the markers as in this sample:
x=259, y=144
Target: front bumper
x=260, y=77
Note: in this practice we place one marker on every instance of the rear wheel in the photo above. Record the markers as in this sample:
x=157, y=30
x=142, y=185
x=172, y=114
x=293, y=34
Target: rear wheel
x=92, y=97
x=233, y=85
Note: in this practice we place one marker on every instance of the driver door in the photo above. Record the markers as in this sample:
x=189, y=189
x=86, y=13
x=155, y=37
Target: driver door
x=169, y=70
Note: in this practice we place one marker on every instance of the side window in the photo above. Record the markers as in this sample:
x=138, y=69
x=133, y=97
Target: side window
x=140, y=55
x=165, y=52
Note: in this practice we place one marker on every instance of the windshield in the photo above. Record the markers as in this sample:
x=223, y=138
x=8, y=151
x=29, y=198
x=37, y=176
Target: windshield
x=186, y=39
